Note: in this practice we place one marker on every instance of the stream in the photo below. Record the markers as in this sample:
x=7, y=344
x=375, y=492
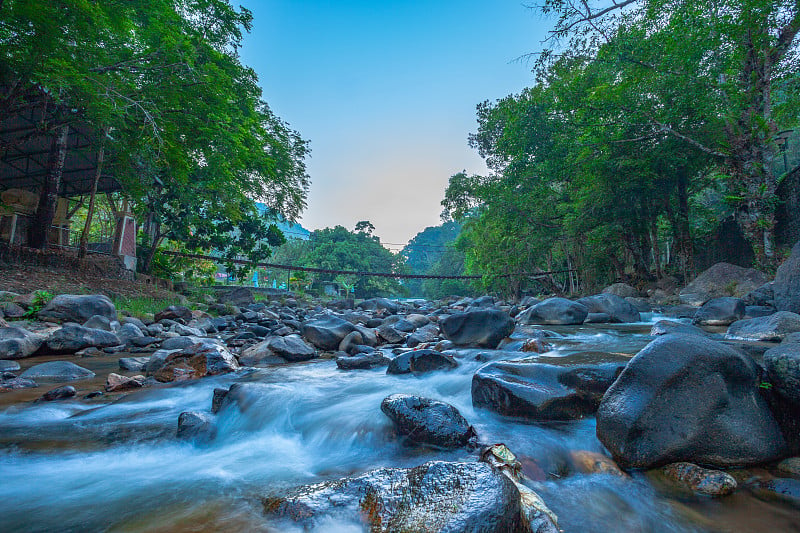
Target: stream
x=83, y=465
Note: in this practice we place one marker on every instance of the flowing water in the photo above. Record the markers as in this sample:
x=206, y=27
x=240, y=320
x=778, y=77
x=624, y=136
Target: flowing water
x=83, y=466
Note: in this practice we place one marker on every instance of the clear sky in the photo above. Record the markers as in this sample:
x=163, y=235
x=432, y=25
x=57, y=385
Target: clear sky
x=386, y=93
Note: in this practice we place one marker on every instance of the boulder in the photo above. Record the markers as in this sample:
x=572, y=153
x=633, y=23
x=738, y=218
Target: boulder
x=786, y=287
x=379, y=304
x=554, y=311
x=482, y=328
x=722, y=279
x=701, y=480
x=688, y=398
x=78, y=308
x=17, y=383
x=663, y=327
x=196, y=426
x=538, y=391
x=327, y=333
x=239, y=297
x=436, y=496
x=783, y=490
x=362, y=361
x=72, y=337
x=118, y=383
x=350, y=342
x=128, y=331
x=260, y=354
x=8, y=366
x=291, y=347
x=424, y=334
x=722, y=311
x=16, y=343
x=174, y=312
x=193, y=362
x=101, y=322
x=766, y=328
x=427, y=421
x=783, y=371
x=420, y=361
x=179, y=343
x=133, y=364
x=623, y=290
x=64, y=392
x=57, y=371
x=616, y=307
x=388, y=333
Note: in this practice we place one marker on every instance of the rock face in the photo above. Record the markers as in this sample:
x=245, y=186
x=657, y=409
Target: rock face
x=539, y=391
x=554, y=311
x=688, y=398
x=420, y=361
x=78, y=308
x=16, y=343
x=765, y=328
x=327, y=333
x=701, y=480
x=436, y=496
x=786, y=287
x=427, y=421
x=722, y=279
x=483, y=328
x=614, y=306
x=73, y=337
x=720, y=312
x=57, y=371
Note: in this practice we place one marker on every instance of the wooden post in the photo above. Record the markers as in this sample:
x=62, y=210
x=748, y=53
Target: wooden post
x=92, y=196
x=43, y=219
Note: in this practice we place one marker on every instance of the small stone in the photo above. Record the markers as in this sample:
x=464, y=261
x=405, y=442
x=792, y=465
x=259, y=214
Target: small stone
x=59, y=393
x=790, y=466
x=701, y=480
x=117, y=383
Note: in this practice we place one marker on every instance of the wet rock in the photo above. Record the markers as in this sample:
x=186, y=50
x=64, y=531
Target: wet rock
x=701, y=480
x=368, y=335
x=722, y=279
x=786, y=287
x=688, y=398
x=389, y=334
x=587, y=462
x=174, y=312
x=179, y=343
x=612, y=305
x=59, y=393
x=327, y=333
x=8, y=366
x=57, y=371
x=554, y=311
x=536, y=345
x=17, y=343
x=428, y=333
x=196, y=426
x=427, y=421
x=260, y=354
x=72, y=337
x=217, y=399
x=379, y=304
x=790, y=466
x=783, y=370
x=118, y=383
x=778, y=490
x=420, y=361
x=598, y=318
x=101, y=322
x=436, y=496
x=78, y=308
x=768, y=328
x=133, y=364
x=127, y=332
x=756, y=311
x=720, y=312
x=483, y=328
x=538, y=391
x=15, y=383
x=291, y=347
x=663, y=327
x=362, y=361
x=194, y=362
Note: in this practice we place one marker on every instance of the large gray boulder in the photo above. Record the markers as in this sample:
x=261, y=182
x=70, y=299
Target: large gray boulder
x=379, y=304
x=78, y=308
x=623, y=290
x=538, y=391
x=783, y=370
x=328, y=332
x=427, y=421
x=420, y=361
x=786, y=287
x=720, y=312
x=774, y=327
x=16, y=343
x=437, y=496
x=617, y=308
x=291, y=347
x=364, y=361
x=240, y=297
x=722, y=279
x=483, y=328
x=688, y=398
x=554, y=311
x=57, y=371
x=72, y=337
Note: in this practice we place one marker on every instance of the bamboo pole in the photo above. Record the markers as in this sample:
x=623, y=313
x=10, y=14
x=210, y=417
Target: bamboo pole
x=90, y=210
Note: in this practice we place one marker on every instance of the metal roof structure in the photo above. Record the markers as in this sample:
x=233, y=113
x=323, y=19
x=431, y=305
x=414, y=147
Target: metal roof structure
x=25, y=152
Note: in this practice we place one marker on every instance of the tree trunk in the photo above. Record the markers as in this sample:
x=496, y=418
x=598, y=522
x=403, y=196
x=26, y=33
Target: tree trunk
x=92, y=196
x=48, y=198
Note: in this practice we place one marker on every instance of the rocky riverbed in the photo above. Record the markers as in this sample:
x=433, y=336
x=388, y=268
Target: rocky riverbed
x=288, y=415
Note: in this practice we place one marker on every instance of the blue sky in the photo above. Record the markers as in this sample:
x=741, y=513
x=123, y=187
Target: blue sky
x=386, y=93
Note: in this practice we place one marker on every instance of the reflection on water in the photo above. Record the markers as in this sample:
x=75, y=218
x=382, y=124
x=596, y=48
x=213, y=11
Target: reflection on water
x=78, y=466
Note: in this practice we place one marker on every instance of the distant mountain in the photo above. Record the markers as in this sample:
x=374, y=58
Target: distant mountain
x=289, y=229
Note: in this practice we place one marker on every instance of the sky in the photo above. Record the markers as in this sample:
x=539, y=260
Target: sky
x=385, y=91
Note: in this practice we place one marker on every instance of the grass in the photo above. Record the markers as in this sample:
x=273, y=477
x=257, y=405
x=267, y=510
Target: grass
x=142, y=306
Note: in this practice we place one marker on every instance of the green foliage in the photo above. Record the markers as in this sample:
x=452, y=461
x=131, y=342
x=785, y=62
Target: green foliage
x=40, y=300
x=431, y=252
x=141, y=306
